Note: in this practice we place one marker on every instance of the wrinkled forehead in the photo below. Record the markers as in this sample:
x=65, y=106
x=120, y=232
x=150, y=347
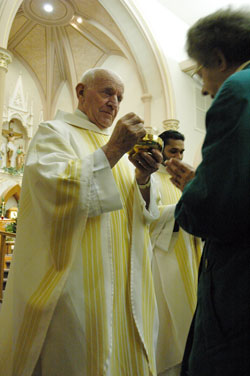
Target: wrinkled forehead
x=106, y=80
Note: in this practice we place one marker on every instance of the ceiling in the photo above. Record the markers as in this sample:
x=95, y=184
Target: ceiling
x=57, y=47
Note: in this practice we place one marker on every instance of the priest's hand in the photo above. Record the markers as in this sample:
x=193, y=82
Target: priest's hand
x=181, y=172
x=146, y=162
x=127, y=132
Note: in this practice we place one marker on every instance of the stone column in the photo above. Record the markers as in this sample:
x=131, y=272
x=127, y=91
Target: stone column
x=146, y=99
x=5, y=60
x=170, y=124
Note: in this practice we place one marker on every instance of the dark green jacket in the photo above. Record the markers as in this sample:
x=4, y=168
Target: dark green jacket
x=215, y=205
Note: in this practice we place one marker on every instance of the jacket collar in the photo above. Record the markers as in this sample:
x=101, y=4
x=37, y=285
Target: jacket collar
x=243, y=66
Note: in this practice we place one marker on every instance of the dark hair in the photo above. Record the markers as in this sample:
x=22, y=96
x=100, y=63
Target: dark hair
x=226, y=30
x=174, y=135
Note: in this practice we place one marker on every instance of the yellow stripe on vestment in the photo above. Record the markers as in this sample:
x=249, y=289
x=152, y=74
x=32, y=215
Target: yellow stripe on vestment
x=186, y=270
x=24, y=214
x=148, y=301
x=128, y=356
x=31, y=320
x=94, y=295
x=169, y=193
x=60, y=248
x=66, y=198
x=129, y=359
x=94, y=284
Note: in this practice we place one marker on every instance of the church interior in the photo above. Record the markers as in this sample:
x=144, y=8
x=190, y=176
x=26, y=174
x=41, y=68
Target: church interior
x=46, y=45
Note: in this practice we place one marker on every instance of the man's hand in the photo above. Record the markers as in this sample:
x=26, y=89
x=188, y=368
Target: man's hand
x=146, y=162
x=127, y=132
x=181, y=172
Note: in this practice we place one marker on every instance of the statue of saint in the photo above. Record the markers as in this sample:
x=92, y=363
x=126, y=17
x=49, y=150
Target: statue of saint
x=10, y=148
x=19, y=157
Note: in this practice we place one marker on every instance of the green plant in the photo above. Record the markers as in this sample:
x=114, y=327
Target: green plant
x=11, y=227
x=13, y=170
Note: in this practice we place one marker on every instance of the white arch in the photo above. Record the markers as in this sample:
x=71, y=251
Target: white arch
x=145, y=52
x=8, y=10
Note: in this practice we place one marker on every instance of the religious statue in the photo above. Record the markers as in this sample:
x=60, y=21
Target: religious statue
x=19, y=157
x=10, y=147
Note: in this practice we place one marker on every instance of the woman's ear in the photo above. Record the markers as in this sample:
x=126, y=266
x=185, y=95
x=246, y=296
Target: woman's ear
x=220, y=60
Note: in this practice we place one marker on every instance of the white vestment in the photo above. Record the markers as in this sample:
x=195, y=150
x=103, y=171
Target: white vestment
x=82, y=260
x=175, y=262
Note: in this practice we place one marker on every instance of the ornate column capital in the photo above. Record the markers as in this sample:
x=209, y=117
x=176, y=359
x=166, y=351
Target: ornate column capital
x=5, y=58
x=146, y=97
x=171, y=124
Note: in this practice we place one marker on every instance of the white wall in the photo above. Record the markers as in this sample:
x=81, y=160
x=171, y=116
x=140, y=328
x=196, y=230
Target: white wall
x=190, y=11
x=184, y=90
x=64, y=101
x=169, y=32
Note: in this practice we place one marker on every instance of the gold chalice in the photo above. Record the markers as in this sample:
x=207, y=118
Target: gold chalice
x=148, y=142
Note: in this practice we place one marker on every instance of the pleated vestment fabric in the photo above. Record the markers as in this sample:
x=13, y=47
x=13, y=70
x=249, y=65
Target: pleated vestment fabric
x=80, y=297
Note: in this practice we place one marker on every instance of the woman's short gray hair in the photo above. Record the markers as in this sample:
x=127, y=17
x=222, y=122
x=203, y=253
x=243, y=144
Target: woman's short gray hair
x=226, y=30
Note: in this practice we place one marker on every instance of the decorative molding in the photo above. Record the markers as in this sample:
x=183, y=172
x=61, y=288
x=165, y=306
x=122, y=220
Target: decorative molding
x=146, y=98
x=18, y=108
x=17, y=101
x=188, y=66
x=171, y=124
x=62, y=13
x=5, y=58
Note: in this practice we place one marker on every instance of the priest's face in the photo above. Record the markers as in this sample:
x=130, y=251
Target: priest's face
x=173, y=149
x=100, y=99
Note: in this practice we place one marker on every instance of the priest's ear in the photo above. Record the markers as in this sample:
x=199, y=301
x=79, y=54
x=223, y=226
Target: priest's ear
x=79, y=90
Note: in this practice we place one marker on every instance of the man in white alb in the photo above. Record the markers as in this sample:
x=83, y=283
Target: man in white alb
x=80, y=297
